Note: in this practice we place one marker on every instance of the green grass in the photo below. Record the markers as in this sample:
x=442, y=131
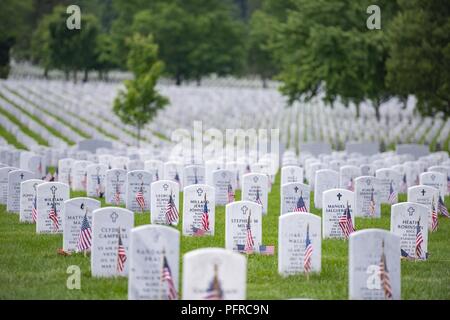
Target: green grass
x=31, y=269
x=22, y=127
x=11, y=139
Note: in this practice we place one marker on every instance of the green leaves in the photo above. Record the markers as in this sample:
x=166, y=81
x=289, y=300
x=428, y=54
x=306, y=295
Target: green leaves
x=140, y=101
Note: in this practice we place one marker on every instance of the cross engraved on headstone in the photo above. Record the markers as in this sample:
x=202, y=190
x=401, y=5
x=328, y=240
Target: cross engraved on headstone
x=423, y=192
x=34, y=186
x=244, y=210
x=433, y=177
x=139, y=176
x=114, y=216
x=411, y=211
x=21, y=176
x=339, y=195
x=296, y=189
x=53, y=189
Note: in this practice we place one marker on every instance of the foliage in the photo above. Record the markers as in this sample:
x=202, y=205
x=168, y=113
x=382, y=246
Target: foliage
x=140, y=101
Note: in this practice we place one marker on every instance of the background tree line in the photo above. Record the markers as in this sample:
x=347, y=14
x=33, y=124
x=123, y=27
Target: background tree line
x=314, y=47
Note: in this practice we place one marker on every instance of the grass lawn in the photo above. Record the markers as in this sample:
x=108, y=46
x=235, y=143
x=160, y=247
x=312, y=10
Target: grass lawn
x=30, y=267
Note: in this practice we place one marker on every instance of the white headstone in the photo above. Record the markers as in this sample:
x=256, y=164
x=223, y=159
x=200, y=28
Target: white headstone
x=224, y=183
x=299, y=243
x=77, y=234
x=255, y=188
x=138, y=190
x=65, y=170
x=96, y=180
x=338, y=218
x=50, y=201
x=28, y=200
x=214, y=274
x=347, y=176
x=291, y=174
x=374, y=265
x=154, y=251
x=79, y=174
x=198, y=210
x=115, y=186
x=194, y=174
x=325, y=179
x=4, y=173
x=436, y=180
x=367, y=197
x=428, y=196
x=15, y=178
x=111, y=228
x=164, y=202
x=389, y=183
x=295, y=197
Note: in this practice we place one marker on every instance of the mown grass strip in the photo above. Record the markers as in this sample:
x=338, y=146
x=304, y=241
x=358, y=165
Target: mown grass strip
x=22, y=127
x=53, y=131
x=11, y=139
x=67, y=124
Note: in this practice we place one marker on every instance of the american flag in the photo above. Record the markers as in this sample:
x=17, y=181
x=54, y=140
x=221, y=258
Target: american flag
x=177, y=177
x=392, y=194
x=48, y=177
x=171, y=211
x=84, y=181
x=121, y=255
x=266, y=250
x=350, y=185
x=404, y=184
x=230, y=193
x=345, y=222
x=54, y=217
x=85, y=237
x=301, y=206
x=442, y=208
x=167, y=276
x=372, y=205
x=140, y=198
x=249, y=243
x=117, y=195
x=214, y=291
x=434, y=217
x=98, y=188
x=205, y=216
x=156, y=175
x=258, y=198
x=417, y=181
x=34, y=212
x=419, y=241
x=384, y=276
x=308, y=252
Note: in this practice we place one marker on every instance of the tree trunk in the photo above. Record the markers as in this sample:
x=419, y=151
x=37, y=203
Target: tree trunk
x=178, y=79
x=45, y=73
x=199, y=81
x=138, y=135
x=86, y=76
x=358, y=111
x=75, y=76
x=264, y=82
x=66, y=73
x=377, y=109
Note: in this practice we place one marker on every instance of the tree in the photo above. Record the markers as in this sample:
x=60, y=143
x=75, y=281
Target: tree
x=325, y=47
x=419, y=61
x=140, y=101
x=105, y=55
x=13, y=27
x=260, y=60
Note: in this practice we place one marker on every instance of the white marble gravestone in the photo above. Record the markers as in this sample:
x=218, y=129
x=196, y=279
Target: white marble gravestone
x=73, y=213
x=436, y=180
x=50, y=201
x=164, y=200
x=224, y=183
x=65, y=170
x=138, y=190
x=325, y=179
x=410, y=221
x=336, y=203
x=347, y=176
x=79, y=173
x=243, y=226
x=389, y=183
x=367, y=197
x=295, y=197
x=111, y=228
x=137, y=164
x=96, y=180
x=255, y=188
x=154, y=251
x=35, y=163
x=214, y=274
x=291, y=174
x=367, y=170
x=119, y=163
x=198, y=210
x=428, y=196
x=374, y=265
x=194, y=174
x=15, y=178
x=28, y=200
x=4, y=173
x=211, y=166
x=156, y=168
x=115, y=186
x=299, y=243
x=173, y=171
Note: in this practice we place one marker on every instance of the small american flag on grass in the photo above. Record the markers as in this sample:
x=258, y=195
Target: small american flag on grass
x=166, y=276
x=230, y=193
x=85, y=237
x=392, y=194
x=346, y=223
x=419, y=241
x=301, y=206
x=34, y=212
x=53, y=215
x=308, y=252
x=171, y=211
x=442, y=208
x=384, y=276
x=121, y=255
x=140, y=198
x=434, y=217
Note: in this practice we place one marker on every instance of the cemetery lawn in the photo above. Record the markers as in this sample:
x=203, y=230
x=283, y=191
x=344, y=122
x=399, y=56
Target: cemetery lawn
x=30, y=267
